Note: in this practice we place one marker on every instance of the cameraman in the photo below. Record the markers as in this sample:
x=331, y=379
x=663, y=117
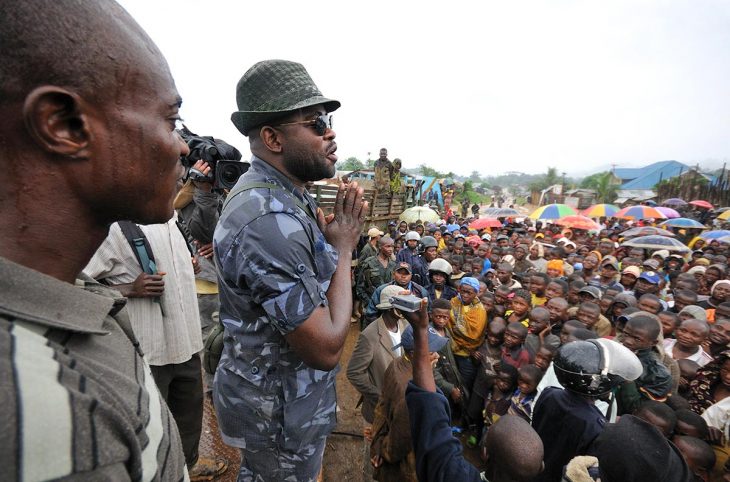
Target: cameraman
x=198, y=204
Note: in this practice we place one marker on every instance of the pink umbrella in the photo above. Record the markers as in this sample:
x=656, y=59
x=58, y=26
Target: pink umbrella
x=702, y=204
x=668, y=212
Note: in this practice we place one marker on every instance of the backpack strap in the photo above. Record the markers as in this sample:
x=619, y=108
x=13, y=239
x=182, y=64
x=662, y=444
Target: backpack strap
x=140, y=246
x=271, y=186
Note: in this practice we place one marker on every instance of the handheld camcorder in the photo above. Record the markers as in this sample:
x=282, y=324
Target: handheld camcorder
x=224, y=160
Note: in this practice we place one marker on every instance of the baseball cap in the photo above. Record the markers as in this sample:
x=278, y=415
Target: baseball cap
x=652, y=264
x=502, y=236
x=650, y=276
x=405, y=266
x=387, y=294
x=610, y=261
x=591, y=290
x=435, y=341
x=662, y=253
x=633, y=270
x=372, y=232
x=487, y=237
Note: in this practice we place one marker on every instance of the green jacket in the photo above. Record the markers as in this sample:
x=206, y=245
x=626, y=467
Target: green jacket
x=371, y=275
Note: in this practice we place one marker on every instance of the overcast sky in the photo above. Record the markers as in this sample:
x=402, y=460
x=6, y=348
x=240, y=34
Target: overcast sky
x=462, y=86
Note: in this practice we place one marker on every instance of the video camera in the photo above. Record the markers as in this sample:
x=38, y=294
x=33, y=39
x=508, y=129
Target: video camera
x=224, y=160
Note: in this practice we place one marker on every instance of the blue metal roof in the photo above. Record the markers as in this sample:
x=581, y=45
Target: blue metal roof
x=647, y=177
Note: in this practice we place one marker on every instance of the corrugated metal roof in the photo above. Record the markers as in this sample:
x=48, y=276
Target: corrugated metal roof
x=647, y=177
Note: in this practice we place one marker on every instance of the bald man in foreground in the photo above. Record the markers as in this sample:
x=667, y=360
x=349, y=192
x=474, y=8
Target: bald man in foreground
x=88, y=138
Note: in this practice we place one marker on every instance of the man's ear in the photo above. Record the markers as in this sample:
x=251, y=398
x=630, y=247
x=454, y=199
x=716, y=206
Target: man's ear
x=271, y=139
x=54, y=117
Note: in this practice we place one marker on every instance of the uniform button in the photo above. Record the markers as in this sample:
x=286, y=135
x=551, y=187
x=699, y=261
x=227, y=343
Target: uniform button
x=323, y=295
x=254, y=370
x=301, y=268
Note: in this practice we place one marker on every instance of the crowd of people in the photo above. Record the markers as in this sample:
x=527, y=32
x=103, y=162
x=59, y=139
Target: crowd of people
x=511, y=302
x=559, y=355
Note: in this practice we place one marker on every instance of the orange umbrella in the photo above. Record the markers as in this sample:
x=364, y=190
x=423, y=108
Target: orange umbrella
x=578, y=222
x=482, y=223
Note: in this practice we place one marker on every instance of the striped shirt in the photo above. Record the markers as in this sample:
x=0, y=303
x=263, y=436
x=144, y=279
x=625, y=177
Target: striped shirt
x=169, y=330
x=77, y=397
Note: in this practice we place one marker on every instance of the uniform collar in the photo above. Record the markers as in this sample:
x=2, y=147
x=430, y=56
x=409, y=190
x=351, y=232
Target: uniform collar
x=38, y=298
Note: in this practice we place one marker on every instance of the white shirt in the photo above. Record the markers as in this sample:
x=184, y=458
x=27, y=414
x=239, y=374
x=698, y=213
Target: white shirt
x=395, y=338
x=165, y=339
x=700, y=357
x=718, y=416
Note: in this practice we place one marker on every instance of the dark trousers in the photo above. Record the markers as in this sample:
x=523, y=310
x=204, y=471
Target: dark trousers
x=181, y=385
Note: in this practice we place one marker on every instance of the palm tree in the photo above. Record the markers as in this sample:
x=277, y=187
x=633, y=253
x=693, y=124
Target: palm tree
x=605, y=187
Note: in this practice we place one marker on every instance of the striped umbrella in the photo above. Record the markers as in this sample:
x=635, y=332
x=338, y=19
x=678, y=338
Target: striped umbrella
x=656, y=242
x=702, y=204
x=669, y=212
x=715, y=234
x=640, y=212
x=600, y=210
x=552, y=211
x=685, y=223
x=675, y=201
x=579, y=222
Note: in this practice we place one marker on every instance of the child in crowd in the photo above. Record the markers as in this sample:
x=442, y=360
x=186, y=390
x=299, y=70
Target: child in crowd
x=519, y=307
x=640, y=335
x=544, y=357
x=489, y=356
x=523, y=398
x=670, y=322
x=538, y=331
x=513, y=349
x=691, y=334
x=538, y=285
x=688, y=372
x=498, y=400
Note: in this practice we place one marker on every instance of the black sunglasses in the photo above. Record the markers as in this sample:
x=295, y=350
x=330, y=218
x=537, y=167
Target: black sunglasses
x=320, y=124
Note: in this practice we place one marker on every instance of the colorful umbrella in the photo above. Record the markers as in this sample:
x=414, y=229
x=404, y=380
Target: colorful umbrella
x=482, y=223
x=675, y=201
x=552, y=211
x=724, y=239
x=646, y=231
x=716, y=234
x=656, y=242
x=724, y=216
x=702, y=204
x=669, y=212
x=419, y=213
x=501, y=212
x=685, y=223
x=640, y=212
x=600, y=210
x=579, y=222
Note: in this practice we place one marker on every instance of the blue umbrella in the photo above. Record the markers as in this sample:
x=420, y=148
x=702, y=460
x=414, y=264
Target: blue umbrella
x=715, y=234
x=675, y=201
x=656, y=242
x=683, y=223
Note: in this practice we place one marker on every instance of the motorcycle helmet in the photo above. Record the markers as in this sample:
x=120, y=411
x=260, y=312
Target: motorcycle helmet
x=428, y=242
x=440, y=265
x=412, y=235
x=594, y=367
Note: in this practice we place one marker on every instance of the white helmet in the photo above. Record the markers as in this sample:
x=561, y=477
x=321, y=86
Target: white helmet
x=412, y=235
x=440, y=265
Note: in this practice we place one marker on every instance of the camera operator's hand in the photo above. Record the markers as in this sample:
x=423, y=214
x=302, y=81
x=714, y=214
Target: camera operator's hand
x=342, y=228
x=146, y=286
x=203, y=167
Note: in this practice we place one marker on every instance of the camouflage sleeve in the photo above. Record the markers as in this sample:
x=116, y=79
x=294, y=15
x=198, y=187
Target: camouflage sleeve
x=277, y=263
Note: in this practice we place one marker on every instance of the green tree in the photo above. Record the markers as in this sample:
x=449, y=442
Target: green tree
x=350, y=164
x=605, y=185
x=475, y=176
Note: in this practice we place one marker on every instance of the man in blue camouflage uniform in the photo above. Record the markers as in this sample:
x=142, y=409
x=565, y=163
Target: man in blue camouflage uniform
x=284, y=279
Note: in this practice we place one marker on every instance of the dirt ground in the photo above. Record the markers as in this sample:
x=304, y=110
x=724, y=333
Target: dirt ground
x=343, y=456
